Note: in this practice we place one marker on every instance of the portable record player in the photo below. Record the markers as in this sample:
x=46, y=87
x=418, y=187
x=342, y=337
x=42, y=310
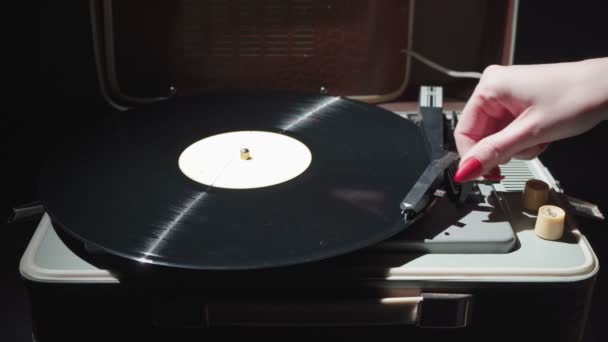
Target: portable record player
x=213, y=207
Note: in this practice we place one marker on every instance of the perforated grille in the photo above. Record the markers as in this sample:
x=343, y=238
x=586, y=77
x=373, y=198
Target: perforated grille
x=245, y=28
x=342, y=46
x=516, y=173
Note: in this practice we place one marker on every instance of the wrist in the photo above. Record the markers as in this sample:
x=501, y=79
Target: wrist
x=590, y=87
x=595, y=78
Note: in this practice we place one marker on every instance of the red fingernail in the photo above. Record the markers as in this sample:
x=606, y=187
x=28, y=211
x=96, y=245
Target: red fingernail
x=494, y=174
x=470, y=169
x=495, y=171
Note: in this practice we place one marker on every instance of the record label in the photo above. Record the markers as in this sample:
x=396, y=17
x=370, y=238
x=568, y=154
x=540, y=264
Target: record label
x=245, y=159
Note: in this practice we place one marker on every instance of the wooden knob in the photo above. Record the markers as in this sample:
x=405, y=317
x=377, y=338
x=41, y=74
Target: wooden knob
x=550, y=222
x=536, y=194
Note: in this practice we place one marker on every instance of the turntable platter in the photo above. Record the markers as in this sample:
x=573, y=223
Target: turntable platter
x=236, y=181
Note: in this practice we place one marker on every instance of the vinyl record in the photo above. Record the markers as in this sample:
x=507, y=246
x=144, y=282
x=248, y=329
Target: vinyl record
x=235, y=181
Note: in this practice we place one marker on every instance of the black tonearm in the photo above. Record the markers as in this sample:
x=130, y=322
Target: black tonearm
x=440, y=171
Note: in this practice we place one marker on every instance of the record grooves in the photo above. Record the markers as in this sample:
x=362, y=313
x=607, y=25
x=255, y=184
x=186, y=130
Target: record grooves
x=119, y=186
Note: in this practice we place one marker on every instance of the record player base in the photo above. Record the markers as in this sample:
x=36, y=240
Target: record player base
x=500, y=312
x=539, y=290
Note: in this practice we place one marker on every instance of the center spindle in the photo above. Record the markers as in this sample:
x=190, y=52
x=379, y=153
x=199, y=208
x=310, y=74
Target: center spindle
x=245, y=155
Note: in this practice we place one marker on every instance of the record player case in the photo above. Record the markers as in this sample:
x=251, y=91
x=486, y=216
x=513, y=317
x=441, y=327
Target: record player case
x=540, y=288
x=149, y=50
x=535, y=288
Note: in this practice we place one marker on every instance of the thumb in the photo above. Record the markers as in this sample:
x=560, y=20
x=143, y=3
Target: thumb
x=493, y=150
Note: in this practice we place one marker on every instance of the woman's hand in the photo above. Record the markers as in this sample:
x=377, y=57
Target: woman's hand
x=515, y=111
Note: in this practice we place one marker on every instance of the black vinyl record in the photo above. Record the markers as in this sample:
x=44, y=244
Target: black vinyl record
x=118, y=186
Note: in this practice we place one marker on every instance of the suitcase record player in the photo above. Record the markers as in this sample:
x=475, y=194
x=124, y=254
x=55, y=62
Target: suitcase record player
x=363, y=226
x=468, y=260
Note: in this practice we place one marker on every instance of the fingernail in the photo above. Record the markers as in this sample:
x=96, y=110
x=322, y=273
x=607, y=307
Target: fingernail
x=470, y=169
x=495, y=172
x=494, y=175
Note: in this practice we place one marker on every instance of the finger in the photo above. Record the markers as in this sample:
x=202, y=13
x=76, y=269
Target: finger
x=530, y=152
x=494, y=149
x=481, y=117
x=494, y=174
x=465, y=132
x=504, y=160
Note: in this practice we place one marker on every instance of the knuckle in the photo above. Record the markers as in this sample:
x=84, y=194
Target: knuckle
x=533, y=128
x=491, y=69
x=491, y=81
x=458, y=131
x=504, y=160
x=495, y=150
x=492, y=72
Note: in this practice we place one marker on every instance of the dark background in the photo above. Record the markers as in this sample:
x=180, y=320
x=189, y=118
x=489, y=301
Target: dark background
x=62, y=92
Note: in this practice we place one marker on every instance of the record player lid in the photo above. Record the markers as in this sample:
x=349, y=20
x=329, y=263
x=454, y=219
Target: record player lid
x=119, y=185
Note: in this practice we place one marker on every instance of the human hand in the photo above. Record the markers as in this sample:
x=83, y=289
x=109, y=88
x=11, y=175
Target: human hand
x=515, y=111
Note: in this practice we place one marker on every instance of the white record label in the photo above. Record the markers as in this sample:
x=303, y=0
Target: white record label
x=220, y=160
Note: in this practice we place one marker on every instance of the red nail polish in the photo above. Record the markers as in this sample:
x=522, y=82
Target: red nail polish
x=495, y=171
x=470, y=169
x=494, y=174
